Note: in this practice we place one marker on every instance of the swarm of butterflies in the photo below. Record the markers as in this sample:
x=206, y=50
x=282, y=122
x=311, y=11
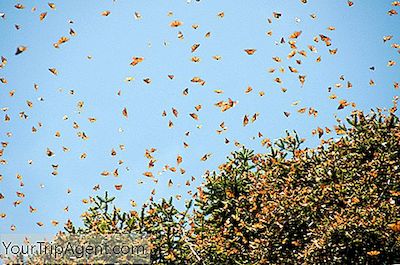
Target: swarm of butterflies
x=321, y=45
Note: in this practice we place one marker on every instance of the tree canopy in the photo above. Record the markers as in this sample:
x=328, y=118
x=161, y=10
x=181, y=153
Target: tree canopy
x=336, y=204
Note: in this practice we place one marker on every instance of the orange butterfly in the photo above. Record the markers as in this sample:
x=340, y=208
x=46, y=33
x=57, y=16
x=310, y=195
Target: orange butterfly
x=373, y=253
x=295, y=34
x=20, y=50
x=42, y=16
x=334, y=51
x=395, y=226
x=53, y=71
x=125, y=112
x=245, y=120
x=176, y=23
x=148, y=174
x=136, y=60
x=250, y=51
x=195, y=46
x=194, y=116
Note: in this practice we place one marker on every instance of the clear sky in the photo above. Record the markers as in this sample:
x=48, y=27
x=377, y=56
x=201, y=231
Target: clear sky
x=113, y=40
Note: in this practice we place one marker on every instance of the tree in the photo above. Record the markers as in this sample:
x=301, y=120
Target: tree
x=336, y=204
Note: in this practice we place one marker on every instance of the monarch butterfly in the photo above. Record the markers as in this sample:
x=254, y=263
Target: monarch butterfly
x=53, y=71
x=302, y=79
x=20, y=49
x=334, y=51
x=136, y=60
x=63, y=40
x=205, y=157
x=42, y=16
x=105, y=173
x=148, y=174
x=72, y=32
x=295, y=34
x=248, y=90
x=373, y=253
x=395, y=226
x=303, y=53
x=277, y=59
x=195, y=46
x=125, y=113
x=105, y=13
x=320, y=132
x=113, y=152
x=302, y=110
x=195, y=59
x=245, y=120
x=194, y=116
x=60, y=41
x=387, y=38
x=176, y=23
x=175, y=112
x=137, y=15
x=291, y=54
x=250, y=51
x=276, y=15
x=254, y=117
x=325, y=39
x=342, y=103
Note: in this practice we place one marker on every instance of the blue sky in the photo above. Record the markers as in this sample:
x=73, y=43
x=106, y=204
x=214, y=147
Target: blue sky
x=112, y=41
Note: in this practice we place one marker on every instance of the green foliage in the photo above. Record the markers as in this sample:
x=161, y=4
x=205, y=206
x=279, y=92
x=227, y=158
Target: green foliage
x=336, y=204
x=162, y=222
